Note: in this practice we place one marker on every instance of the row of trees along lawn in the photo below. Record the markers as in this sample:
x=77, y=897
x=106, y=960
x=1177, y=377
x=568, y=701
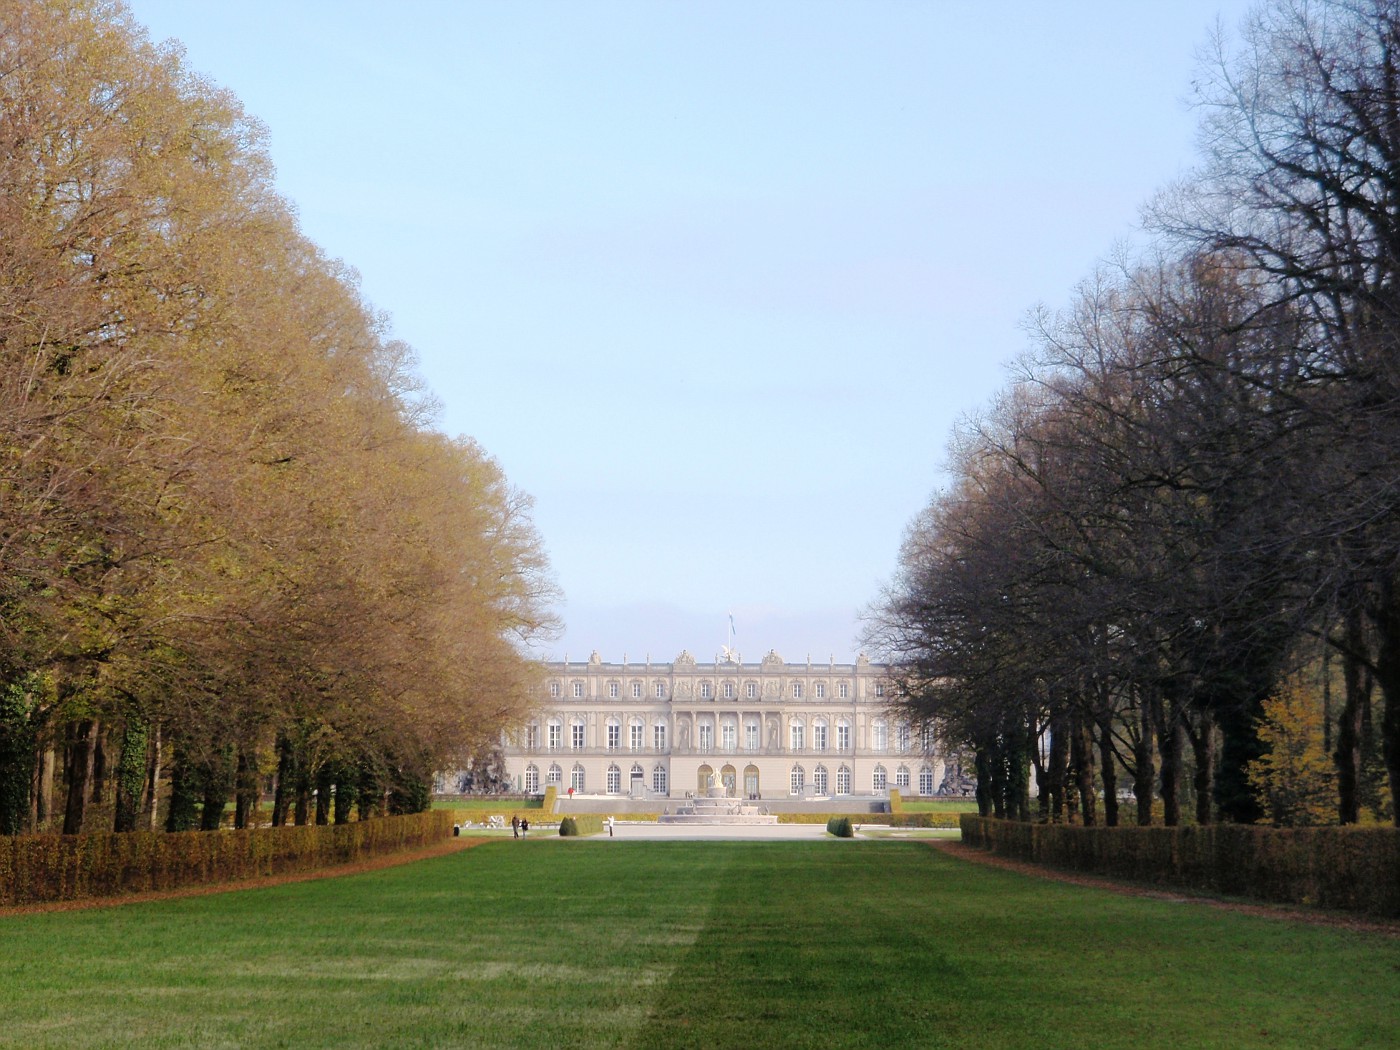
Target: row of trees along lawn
x=1176, y=531
x=231, y=545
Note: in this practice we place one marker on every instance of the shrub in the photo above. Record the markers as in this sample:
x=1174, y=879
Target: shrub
x=840, y=827
x=567, y=826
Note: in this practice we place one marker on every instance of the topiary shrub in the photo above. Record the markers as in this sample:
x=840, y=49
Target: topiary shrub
x=567, y=826
x=840, y=827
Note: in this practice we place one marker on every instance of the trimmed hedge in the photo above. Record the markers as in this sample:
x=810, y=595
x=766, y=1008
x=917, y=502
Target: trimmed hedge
x=567, y=826
x=840, y=827
x=1348, y=868
x=36, y=869
x=894, y=820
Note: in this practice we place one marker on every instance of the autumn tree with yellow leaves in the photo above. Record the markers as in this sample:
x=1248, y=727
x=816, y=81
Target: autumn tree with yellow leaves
x=231, y=544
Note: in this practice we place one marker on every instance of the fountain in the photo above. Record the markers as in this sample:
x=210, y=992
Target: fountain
x=715, y=807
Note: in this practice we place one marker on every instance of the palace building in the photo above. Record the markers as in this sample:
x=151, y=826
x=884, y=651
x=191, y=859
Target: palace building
x=769, y=730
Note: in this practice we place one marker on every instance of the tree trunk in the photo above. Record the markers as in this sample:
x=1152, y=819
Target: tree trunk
x=99, y=764
x=286, y=773
x=1083, y=758
x=43, y=788
x=152, y=811
x=245, y=798
x=79, y=770
x=1203, y=748
x=325, y=779
x=1357, y=683
x=1142, y=757
x=131, y=774
x=1108, y=771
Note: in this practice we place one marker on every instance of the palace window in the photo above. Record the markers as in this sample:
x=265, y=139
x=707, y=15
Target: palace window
x=638, y=775
x=797, y=690
x=661, y=690
x=636, y=734
x=751, y=690
x=798, y=733
x=554, y=690
x=578, y=690
x=658, y=736
x=901, y=737
x=843, y=780
x=901, y=777
x=751, y=736
x=927, y=737
x=576, y=731
x=728, y=735
x=926, y=781
x=555, y=738
x=879, y=735
x=614, y=780
x=576, y=778
x=843, y=735
x=614, y=734
x=729, y=690
x=819, y=735
x=819, y=780
x=532, y=736
x=532, y=780
x=819, y=690
x=879, y=690
x=636, y=690
x=612, y=690
x=797, y=778
x=705, y=690
x=658, y=779
x=555, y=775
x=879, y=781
x=707, y=736
x=843, y=691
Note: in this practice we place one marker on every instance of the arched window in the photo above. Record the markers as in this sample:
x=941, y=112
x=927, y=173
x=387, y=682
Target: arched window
x=658, y=779
x=576, y=734
x=658, y=735
x=819, y=734
x=819, y=782
x=901, y=737
x=532, y=737
x=879, y=735
x=614, y=734
x=576, y=778
x=878, y=781
x=843, y=734
x=843, y=780
x=798, y=779
x=798, y=734
x=554, y=734
x=901, y=777
x=555, y=775
x=926, y=780
x=728, y=735
x=532, y=780
x=636, y=734
x=614, y=780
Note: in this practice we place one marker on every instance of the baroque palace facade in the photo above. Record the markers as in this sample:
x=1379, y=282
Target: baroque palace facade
x=767, y=730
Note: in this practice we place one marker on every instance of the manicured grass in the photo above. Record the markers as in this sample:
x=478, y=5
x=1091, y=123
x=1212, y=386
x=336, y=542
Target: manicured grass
x=597, y=943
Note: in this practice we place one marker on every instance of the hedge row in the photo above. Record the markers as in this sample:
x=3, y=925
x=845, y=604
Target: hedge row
x=1349, y=868
x=894, y=820
x=36, y=869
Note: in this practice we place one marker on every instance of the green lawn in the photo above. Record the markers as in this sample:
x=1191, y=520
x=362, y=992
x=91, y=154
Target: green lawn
x=592, y=943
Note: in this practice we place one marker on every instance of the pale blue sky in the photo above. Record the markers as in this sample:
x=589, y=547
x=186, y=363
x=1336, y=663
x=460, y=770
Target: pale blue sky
x=713, y=281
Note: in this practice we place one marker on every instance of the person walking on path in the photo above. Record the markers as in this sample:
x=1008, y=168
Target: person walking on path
x=514, y=826
x=524, y=826
x=610, y=827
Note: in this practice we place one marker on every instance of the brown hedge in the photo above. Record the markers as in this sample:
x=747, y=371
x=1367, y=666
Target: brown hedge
x=1348, y=868
x=40, y=868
